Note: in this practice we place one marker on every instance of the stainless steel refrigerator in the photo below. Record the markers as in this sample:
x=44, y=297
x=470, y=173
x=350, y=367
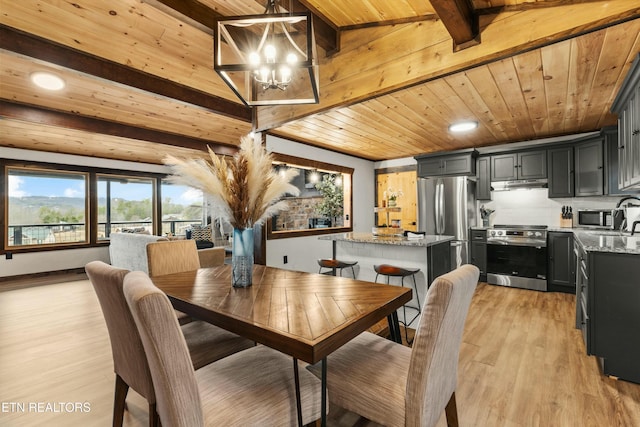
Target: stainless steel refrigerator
x=447, y=206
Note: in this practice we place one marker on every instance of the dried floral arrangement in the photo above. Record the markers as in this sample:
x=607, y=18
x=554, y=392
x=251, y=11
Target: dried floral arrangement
x=244, y=190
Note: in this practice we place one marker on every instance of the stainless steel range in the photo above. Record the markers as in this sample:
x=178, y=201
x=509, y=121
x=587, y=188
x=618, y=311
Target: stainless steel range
x=517, y=256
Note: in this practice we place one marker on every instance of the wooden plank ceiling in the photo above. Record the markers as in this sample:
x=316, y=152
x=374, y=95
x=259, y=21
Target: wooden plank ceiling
x=393, y=75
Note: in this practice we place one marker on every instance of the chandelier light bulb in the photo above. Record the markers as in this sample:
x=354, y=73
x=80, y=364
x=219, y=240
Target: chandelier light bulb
x=292, y=58
x=270, y=53
x=285, y=73
x=264, y=74
x=254, y=58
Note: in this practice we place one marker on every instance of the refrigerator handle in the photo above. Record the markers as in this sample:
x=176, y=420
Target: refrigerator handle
x=442, y=212
x=436, y=206
x=439, y=206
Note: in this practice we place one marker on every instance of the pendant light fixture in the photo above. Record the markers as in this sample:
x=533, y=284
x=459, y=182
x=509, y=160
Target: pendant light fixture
x=268, y=59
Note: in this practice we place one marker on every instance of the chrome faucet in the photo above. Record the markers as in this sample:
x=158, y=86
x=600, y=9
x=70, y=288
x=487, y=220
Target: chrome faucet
x=626, y=198
x=618, y=212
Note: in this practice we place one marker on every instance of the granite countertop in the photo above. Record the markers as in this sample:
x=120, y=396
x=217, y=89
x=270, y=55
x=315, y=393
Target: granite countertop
x=427, y=240
x=608, y=241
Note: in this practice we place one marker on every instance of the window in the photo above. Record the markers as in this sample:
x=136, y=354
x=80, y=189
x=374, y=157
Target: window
x=46, y=207
x=125, y=204
x=323, y=205
x=181, y=206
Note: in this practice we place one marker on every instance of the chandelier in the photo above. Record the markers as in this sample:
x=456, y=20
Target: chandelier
x=268, y=59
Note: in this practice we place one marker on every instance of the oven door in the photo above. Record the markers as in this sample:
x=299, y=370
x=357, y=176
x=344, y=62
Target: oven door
x=519, y=266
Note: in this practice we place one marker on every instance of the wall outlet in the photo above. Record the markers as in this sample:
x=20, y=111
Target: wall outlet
x=285, y=259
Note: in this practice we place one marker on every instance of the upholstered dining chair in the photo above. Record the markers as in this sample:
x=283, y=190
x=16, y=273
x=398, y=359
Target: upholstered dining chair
x=394, y=385
x=177, y=256
x=206, y=342
x=180, y=255
x=252, y=387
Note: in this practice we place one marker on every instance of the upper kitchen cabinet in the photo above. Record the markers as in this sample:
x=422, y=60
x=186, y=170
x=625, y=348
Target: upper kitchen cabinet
x=589, y=167
x=453, y=163
x=483, y=178
x=520, y=165
x=560, y=163
x=612, y=167
x=627, y=107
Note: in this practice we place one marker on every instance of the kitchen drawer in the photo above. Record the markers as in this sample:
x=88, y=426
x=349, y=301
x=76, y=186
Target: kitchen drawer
x=479, y=235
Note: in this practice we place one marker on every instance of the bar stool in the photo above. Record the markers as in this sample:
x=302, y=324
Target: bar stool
x=395, y=271
x=336, y=264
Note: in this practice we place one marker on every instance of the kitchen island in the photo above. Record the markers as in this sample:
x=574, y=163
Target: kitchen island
x=608, y=299
x=431, y=254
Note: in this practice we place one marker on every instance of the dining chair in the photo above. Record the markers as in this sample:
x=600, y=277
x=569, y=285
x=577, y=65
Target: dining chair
x=206, y=342
x=173, y=257
x=177, y=256
x=395, y=385
x=253, y=387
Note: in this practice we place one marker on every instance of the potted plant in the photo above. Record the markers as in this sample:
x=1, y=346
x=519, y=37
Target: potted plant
x=332, y=204
x=392, y=196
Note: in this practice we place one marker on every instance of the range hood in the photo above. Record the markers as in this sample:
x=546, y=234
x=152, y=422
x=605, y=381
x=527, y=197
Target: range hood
x=520, y=184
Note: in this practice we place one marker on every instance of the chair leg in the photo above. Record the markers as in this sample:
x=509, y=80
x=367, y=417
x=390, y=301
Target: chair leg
x=451, y=411
x=119, y=401
x=154, y=418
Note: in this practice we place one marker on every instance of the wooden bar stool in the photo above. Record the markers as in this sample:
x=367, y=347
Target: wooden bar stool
x=402, y=272
x=336, y=264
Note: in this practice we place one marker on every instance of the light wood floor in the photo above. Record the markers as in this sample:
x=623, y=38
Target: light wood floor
x=522, y=364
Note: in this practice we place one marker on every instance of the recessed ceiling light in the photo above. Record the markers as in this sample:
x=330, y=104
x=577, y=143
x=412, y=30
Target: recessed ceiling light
x=47, y=80
x=463, y=126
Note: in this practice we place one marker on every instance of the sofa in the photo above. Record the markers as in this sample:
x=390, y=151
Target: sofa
x=129, y=251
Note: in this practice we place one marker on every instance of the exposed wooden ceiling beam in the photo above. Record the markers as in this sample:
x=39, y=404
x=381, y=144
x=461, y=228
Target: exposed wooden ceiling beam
x=460, y=20
x=432, y=17
x=28, y=113
x=327, y=36
x=46, y=50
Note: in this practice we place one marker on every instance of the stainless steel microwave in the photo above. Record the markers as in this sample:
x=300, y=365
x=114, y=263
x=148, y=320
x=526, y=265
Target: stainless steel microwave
x=595, y=218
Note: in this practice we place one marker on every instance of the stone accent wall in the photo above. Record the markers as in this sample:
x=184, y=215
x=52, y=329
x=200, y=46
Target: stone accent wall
x=301, y=209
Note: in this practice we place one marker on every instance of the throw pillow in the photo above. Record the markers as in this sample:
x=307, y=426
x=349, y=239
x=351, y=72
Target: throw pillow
x=199, y=232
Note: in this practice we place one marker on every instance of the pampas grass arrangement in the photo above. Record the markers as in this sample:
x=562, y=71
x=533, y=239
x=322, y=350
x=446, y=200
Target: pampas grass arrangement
x=245, y=190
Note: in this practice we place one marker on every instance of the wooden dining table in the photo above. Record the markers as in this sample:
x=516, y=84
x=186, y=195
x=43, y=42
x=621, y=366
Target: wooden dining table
x=304, y=315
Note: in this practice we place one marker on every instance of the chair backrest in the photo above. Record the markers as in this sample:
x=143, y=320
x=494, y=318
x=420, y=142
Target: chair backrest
x=127, y=250
x=433, y=370
x=178, y=398
x=129, y=359
x=172, y=257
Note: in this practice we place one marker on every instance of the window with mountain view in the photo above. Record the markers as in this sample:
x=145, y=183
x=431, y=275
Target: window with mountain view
x=181, y=207
x=125, y=204
x=46, y=207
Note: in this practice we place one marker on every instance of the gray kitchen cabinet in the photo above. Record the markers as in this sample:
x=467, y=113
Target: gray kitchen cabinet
x=483, y=178
x=519, y=165
x=455, y=163
x=627, y=107
x=478, y=239
x=561, y=263
x=614, y=292
x=589, y=167
x=583, y=320
x=607, y=295
x=612, y=187
x=560, y=167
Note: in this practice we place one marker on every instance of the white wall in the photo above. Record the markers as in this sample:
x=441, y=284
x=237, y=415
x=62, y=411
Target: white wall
x=302, y=252
x=38, y=262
